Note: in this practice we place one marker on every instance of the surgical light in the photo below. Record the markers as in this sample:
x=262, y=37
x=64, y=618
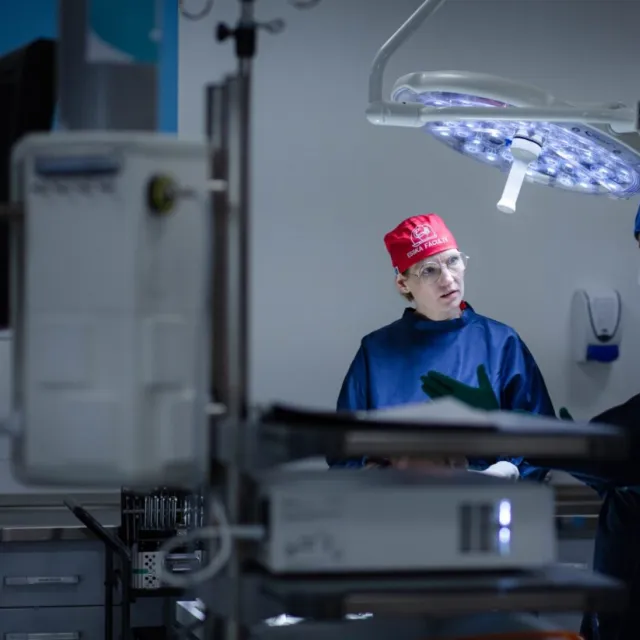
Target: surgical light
x=516, y=128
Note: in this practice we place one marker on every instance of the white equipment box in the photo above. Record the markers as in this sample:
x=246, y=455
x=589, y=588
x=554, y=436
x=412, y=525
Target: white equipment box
x=350, y=521
x=111, y=289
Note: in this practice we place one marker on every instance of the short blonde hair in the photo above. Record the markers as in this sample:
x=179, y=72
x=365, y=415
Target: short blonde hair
x=407, y=296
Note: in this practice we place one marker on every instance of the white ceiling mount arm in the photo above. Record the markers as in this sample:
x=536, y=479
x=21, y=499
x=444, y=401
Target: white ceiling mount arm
x=380, y=111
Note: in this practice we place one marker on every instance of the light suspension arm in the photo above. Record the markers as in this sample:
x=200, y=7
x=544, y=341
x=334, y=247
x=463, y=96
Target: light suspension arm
x=415, y=21
x=398, y=114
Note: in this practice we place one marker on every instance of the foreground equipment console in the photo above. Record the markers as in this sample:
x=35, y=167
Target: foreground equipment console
x=385, y=520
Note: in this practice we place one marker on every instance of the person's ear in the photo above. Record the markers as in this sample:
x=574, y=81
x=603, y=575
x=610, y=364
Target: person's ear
x=401, y=283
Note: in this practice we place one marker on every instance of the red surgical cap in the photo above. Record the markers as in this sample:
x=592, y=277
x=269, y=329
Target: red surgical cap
x=417, y=238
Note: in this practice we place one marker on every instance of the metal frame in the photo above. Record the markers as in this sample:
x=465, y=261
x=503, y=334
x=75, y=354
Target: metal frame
x=114, y=547
x=118, y=568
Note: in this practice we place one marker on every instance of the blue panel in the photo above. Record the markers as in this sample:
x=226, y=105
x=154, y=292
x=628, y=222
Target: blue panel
x=168, y=74
x=602, y=352
x=127, y=27
x=25, y=21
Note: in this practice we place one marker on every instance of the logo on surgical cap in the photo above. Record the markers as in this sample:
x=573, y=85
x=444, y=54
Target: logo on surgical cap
x=423, y=233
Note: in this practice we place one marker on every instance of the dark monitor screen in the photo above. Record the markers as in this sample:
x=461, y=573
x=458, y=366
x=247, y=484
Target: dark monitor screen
x=27, y=104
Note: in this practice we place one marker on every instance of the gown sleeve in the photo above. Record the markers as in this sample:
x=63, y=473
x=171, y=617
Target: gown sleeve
x=523, y=389
x=353, y=396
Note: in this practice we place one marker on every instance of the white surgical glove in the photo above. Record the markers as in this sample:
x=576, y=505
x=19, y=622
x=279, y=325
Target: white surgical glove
x=503, y=469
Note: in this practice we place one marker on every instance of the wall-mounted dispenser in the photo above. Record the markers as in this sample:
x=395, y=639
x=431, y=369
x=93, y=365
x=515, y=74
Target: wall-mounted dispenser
x=596, y=325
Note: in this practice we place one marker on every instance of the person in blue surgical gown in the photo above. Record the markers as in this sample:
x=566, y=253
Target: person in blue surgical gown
x=441, y=332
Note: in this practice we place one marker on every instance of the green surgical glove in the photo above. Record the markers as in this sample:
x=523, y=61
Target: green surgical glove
x=564, y=414
x=436, y=385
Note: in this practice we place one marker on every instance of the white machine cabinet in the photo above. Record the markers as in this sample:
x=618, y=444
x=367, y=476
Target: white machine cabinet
x=111, y=289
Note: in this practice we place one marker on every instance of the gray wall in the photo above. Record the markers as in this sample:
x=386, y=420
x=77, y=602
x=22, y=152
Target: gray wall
x=327, y=185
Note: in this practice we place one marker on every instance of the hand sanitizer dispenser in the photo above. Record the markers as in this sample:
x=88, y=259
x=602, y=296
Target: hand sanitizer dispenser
x=595, y=325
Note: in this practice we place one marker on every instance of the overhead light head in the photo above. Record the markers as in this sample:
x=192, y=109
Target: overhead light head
x=511, y=126
x=573, y=156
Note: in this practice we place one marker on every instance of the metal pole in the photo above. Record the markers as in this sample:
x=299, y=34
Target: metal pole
x=238, y=316
x=228, y=298
x=110, y=584
x=217, y=128
x=238, y=284
x=228, y=114
x=238, y=247
x=217, y=117
x=228, y=127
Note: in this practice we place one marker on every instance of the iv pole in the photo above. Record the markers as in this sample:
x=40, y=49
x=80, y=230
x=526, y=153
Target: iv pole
x=228, y=127
x=228, y=114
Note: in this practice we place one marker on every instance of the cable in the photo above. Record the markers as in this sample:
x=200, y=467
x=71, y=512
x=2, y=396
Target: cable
x=208, y=6
x=199, y=15
x=223, y=532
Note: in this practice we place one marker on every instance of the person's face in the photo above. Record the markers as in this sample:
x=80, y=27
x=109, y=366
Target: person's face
x=436, y=284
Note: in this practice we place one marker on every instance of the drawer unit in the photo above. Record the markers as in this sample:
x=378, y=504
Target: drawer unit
x=576, y=552
x=78, y=623
x=146, y=612
x=51, y=574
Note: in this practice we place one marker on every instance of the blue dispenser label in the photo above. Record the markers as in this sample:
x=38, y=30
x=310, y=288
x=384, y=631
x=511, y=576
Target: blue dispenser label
x=603, y=353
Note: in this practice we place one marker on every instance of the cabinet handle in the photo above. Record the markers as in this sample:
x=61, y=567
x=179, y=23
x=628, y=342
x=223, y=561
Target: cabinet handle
x=29, y=581
x=182, y=562
x=72, y=635
x=183, y=557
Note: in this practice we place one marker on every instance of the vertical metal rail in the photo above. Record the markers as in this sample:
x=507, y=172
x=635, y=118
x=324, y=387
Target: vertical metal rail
x=228, y=113
x=217, y=127
x=228, y=128
x=217, y=115
x=238, y=317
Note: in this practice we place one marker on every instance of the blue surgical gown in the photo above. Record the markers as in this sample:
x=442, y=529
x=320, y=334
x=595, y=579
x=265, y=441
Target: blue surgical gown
x=387, y=368
x=636, y=224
